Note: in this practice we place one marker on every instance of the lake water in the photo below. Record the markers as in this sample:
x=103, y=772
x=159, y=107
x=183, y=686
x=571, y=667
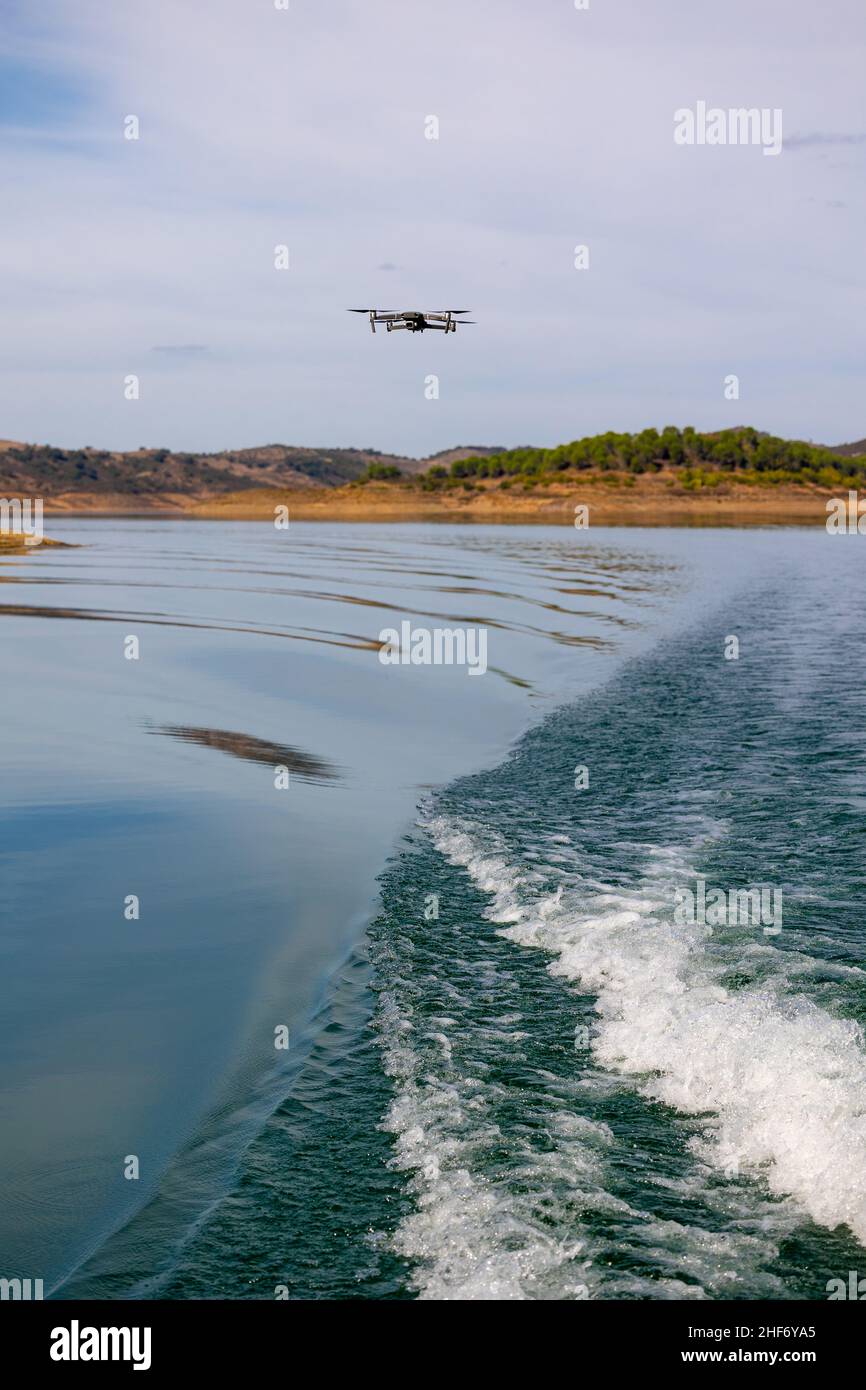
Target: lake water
x=510, y=1071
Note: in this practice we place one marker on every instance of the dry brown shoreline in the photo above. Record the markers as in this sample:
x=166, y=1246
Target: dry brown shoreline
x=648, y=501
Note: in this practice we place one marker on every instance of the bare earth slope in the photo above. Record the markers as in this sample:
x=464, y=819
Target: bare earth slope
x=648, y=501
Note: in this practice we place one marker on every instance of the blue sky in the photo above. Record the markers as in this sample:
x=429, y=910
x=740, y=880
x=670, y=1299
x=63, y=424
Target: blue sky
x=261, y=127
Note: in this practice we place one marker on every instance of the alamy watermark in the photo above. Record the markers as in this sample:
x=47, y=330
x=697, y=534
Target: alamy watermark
x=22, y=518
x=846, y=518
x=738, y=907
x=77, y=1343
x=439, y=646
x=21, y=1290
x=741, y=125
x=855, y=1289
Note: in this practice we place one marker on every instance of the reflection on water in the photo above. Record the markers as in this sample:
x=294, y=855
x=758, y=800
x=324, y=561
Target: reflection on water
x=254, y=750
x=260, y=587
x=23, y=610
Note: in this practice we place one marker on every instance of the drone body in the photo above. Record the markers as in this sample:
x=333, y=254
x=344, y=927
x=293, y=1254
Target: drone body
x=413, y=320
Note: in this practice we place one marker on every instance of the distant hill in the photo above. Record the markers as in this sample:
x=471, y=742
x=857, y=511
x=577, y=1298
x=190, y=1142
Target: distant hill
x=850, y=451
x=160, y=477
x=446, y=457
x=39, y=469
x=150, y=474
x=694, y=456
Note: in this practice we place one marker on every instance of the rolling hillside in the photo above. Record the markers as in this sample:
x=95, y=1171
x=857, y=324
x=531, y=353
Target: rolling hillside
x=148, y=478
x=153, y=476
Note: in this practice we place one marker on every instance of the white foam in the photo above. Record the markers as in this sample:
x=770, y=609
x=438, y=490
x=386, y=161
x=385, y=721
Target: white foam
x=784, y=1080
x=471, y=1237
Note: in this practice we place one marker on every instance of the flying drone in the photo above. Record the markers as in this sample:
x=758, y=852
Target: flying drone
x=446, y=320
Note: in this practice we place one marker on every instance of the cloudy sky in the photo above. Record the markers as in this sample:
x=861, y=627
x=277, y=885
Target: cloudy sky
x=261, y=126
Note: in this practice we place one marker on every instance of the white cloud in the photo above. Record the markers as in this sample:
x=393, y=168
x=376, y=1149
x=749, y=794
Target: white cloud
x=306, y=127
